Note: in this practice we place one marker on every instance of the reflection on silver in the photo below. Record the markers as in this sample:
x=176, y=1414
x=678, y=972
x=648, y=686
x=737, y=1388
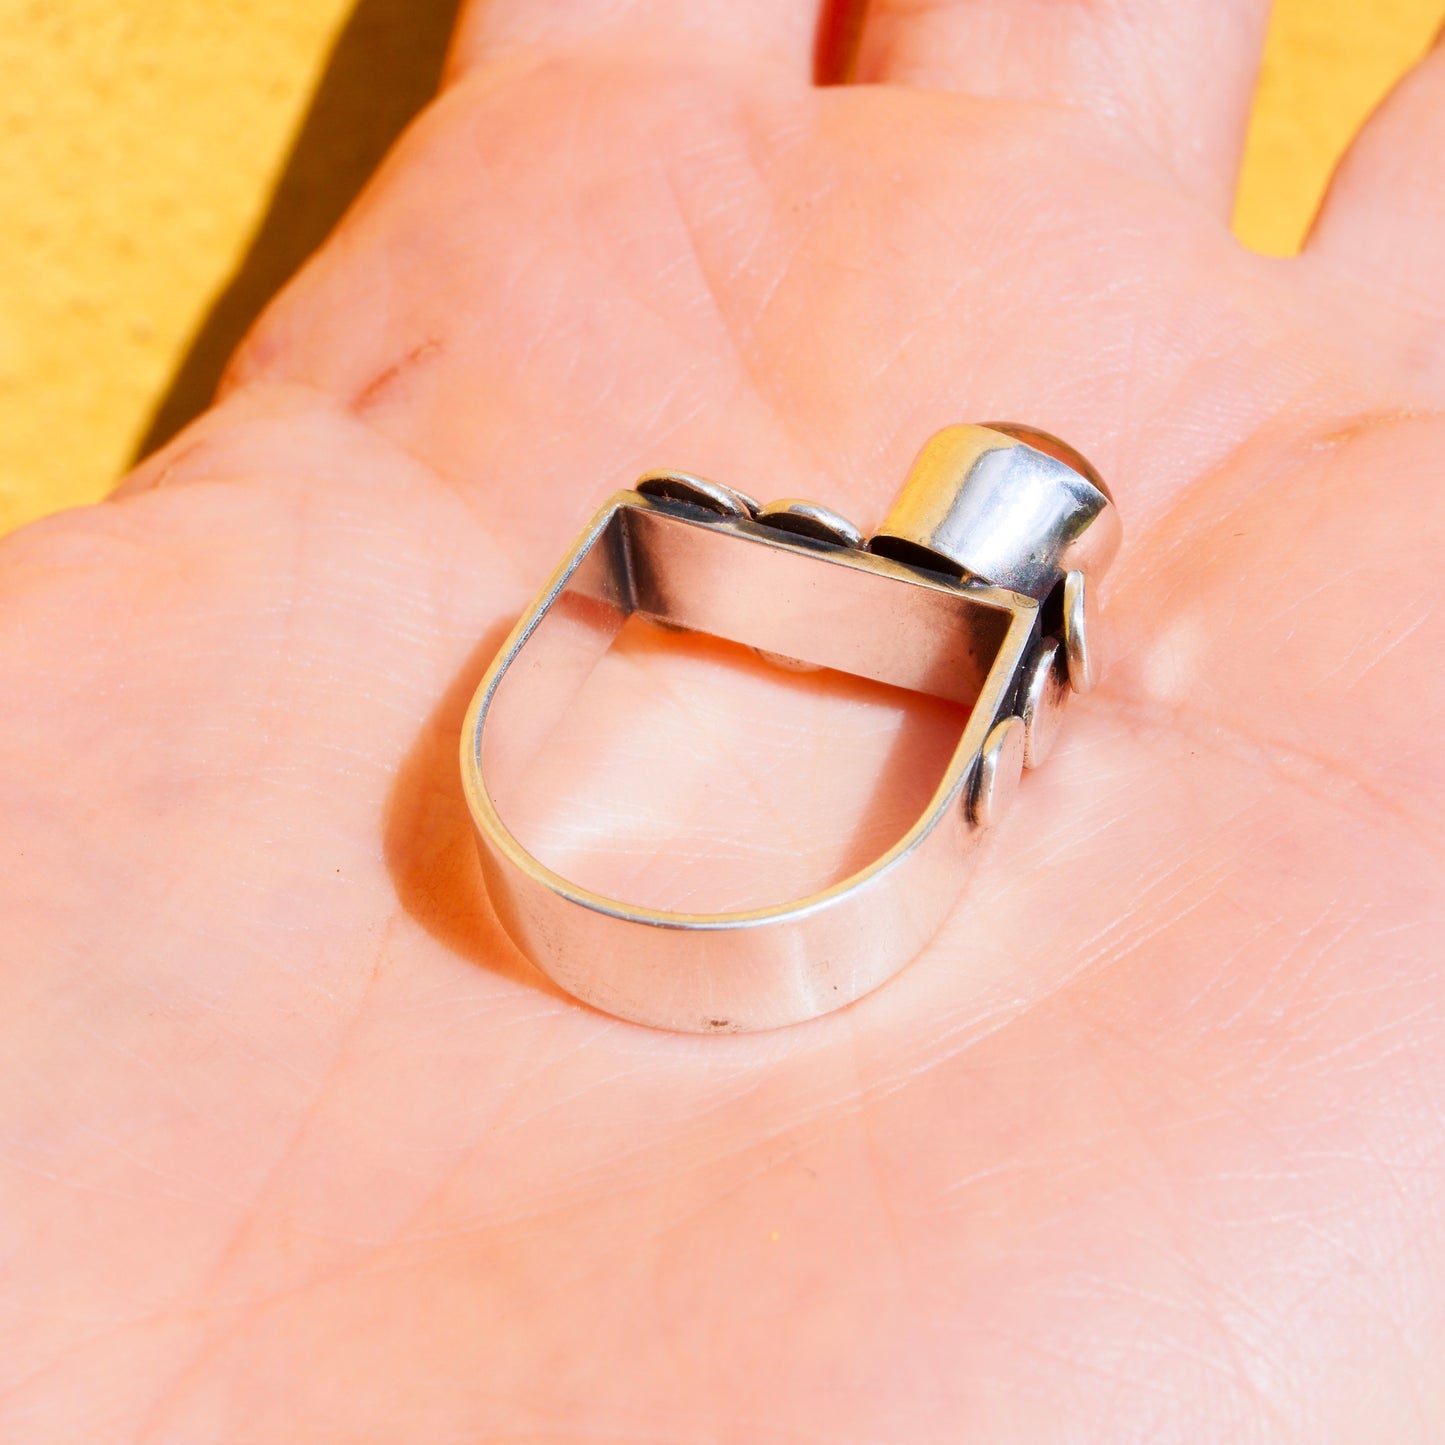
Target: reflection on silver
x=951, y=597
x=713, y=497
x=1042, y=697
x=1080, y=627
x=999, y=769
x=808, y=519
x=980, y=503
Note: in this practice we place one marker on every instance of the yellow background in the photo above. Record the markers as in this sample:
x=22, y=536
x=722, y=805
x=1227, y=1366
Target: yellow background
x=164, y=164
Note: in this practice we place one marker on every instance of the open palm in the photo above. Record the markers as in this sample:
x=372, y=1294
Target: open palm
x=1148, y=1144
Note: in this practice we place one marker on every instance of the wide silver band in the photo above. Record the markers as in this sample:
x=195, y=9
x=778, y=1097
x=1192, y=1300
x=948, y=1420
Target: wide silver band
x=915, y=608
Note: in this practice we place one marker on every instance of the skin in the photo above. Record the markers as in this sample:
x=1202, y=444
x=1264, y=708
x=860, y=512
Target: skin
x=1148, y=1145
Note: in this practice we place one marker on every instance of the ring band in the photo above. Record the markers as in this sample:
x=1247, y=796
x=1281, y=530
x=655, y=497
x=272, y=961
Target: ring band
x=979, y=587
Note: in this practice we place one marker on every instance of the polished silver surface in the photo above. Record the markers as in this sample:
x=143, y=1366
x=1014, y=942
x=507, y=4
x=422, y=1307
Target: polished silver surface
x=808, y=519
x=800, y=518
x=671, y=486
x=694, y=555
x=1052, y=446
x=981, y=503
x=1000, y=767
x=1042, y=697
x=1080, y=627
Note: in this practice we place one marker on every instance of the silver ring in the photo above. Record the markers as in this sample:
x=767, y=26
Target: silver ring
x=980, y=586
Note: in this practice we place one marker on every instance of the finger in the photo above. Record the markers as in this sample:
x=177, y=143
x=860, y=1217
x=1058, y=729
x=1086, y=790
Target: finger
x=1383, y=218
x=1179, y=75
x=781, y=30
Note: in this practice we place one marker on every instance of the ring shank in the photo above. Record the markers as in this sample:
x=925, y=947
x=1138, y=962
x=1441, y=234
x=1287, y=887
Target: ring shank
x=836, y=607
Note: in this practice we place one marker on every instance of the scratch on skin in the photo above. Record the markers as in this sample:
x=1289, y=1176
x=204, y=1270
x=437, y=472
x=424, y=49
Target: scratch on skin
x=377, y=389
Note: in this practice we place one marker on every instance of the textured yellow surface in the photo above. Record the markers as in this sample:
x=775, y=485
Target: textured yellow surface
x=1327, y=64
x=138, y=142
x=149, y=152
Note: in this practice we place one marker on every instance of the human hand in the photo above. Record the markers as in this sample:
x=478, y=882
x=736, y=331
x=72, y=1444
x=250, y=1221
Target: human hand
x=1146, y=1146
